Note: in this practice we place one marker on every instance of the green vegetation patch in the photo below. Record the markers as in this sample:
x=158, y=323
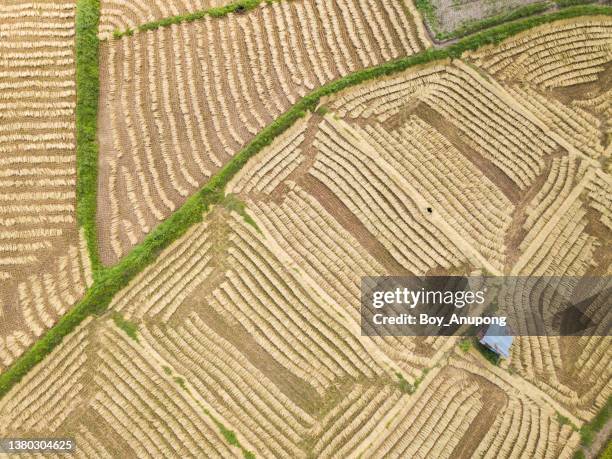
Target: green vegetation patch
x=428, y=10
x=564, y=420
x=181, y=382
x=607, y=452
x=215, y=12
x=579, y=455
x=130, y=328
x=88, y=91
x=232, y=203
x=590, y=429
x=465, y=344
x=488, y=354
x=322, y=110
x=229, y=436
x=566, y=3
x=406, y=387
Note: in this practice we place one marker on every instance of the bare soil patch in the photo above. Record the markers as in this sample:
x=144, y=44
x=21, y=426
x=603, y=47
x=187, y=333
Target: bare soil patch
x=493, y=400
x=351, y=223
x=454, y=136
x=451, y=14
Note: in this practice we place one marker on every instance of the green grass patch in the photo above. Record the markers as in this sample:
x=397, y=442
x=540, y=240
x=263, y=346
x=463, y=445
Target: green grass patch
x=241, y=6
x=130, y=328
x=428, y=10
x=232, y=203
x=405, y=386
x=579, y=455
x=229, y=435
x=88, y=91
x=465, y=344
x=109, y=281
x=322, y=110
x=607, y=452
x=564, y=420
x=181, y=382
x=590, y=429
x=566, y=3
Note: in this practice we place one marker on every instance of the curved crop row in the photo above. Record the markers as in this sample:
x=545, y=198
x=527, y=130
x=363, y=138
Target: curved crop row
x=111, y=280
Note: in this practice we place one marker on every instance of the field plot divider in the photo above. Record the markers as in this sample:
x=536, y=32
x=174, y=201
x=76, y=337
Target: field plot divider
x=109, y=281
x=215, y=12
x=88, y=91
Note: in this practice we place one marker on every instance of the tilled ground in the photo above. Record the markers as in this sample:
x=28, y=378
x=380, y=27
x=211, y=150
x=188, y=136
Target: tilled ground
x=451, y=14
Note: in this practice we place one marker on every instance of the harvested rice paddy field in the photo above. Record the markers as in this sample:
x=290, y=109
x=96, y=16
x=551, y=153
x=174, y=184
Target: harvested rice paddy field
x=251, y=168
x=44, y=266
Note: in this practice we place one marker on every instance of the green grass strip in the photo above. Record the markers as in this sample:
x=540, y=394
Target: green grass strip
x=110, y=281
x=607, y=452
x=240, y=6
x=566, y=3
x=88, y=91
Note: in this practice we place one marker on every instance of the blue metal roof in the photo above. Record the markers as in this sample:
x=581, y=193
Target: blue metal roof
x=498, y=339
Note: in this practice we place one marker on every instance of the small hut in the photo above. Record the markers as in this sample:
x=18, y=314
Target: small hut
x=497, y=338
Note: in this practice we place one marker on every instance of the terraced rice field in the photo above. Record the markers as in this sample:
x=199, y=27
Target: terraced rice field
x=246, y=337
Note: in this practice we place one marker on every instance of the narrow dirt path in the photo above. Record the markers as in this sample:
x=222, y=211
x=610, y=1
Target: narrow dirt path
x=599, y=442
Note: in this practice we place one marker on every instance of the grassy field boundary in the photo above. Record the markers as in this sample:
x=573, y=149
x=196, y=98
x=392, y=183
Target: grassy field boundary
x=88, y=92
x=590, y=429
x=240, y=6
x=110, y=281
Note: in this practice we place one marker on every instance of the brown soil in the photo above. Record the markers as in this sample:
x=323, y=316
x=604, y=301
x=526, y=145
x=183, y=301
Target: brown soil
x=602, y=258
x=351, y=223
x=455, y=137
x=493, y=399
x=105, y=144
x=299, y=391
x=586, y=90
